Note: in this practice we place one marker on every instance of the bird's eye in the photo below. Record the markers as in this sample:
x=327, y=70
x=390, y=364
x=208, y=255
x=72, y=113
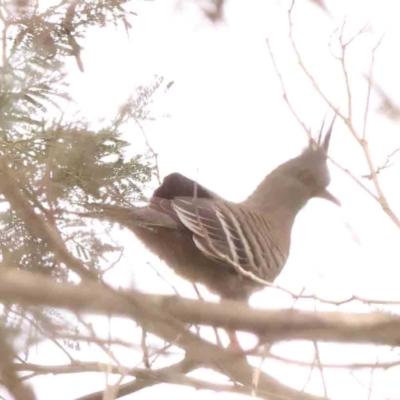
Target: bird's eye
x=307, y=178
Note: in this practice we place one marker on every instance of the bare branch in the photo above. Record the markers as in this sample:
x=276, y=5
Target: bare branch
x=381, y=365
x=8, y=374
x=370, y=79
x=106, y=349
x=144, y=381
x=309, y=75
x=165, y=375
x=145, y=349
x=49, y=335
x=151, y=149
x=318, y=362
x=381, y=198
x=161, y=316
x=371, y=379
x=342, y=60
x=271, y=325
x=306, y=129
x=385, y=165
x=284, y=92
x=160, y=275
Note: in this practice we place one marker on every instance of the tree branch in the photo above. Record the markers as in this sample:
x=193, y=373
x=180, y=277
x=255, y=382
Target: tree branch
x=36, y=224
x=159, y=316
x=347, y=119
x=8, y=374
x=173, y=374
x=271, y=325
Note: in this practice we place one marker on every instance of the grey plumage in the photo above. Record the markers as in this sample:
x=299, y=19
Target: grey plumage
x=209, y=240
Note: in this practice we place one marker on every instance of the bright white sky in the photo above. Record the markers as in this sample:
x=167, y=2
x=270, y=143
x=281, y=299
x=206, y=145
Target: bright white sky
x=229, y=127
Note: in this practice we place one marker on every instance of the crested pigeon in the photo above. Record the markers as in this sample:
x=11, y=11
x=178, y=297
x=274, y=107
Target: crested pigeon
x=229, y=247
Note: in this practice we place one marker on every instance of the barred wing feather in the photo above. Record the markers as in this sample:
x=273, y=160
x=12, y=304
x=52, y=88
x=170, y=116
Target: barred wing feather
x=233, y=235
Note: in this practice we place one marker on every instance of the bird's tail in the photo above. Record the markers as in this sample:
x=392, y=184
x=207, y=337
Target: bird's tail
x=131, y=216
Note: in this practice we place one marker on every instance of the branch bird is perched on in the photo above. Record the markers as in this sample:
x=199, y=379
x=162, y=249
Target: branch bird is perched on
x=209, y=240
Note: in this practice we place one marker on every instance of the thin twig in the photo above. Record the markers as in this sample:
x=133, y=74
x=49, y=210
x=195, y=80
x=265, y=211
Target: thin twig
x=49, y=336
x=381, y=365
x=385, y=165
x=307, y=130
x=371, y=379
x=370, y=79
x=318, y=361
x=147, y=379
x=381, y=198
x=308, y=380
x=284, y=92
x=145, y=349
x=100, y=345
x=160, y=275
x=305, y=69
x=151, y=149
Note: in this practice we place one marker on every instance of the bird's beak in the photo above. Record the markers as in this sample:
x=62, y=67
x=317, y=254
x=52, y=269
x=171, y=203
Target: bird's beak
x=328, y=196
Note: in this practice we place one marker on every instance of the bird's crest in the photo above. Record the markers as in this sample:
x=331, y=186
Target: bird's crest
x=322, y=142
x=307, y=173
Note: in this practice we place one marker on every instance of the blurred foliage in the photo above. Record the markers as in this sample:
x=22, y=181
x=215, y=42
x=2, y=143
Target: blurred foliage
x=60, y=161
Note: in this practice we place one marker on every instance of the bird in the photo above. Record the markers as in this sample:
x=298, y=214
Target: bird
x=231, y=248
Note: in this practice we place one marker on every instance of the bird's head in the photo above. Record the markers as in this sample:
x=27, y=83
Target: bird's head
x=309, y=171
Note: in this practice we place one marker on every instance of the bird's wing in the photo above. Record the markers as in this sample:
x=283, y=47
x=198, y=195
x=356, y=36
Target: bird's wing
x=177, y=185
x=159, y=212
x=229, y=233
